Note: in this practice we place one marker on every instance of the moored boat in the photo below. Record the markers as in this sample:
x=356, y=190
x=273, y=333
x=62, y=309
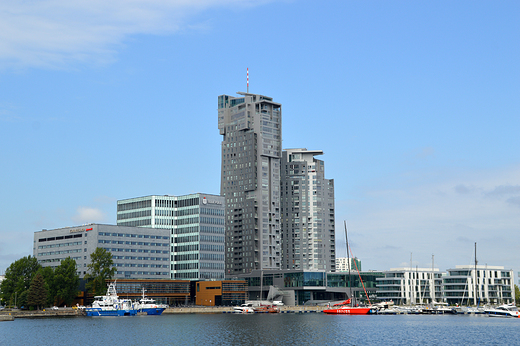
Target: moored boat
x=110, y=304
x=506, y=310
x=266, y=308
x=244, y=308
x=440, y=308
x=351, y=310
x=344, y=308
x=149, y=306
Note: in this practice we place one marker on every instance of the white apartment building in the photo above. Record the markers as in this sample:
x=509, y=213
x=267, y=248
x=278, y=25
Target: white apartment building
x=307, y=212
x=409, y=286
x=478, y=285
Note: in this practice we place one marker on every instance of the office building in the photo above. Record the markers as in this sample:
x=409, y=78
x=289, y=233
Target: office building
x=195, y=223
x=170, y=292
x=307, y=212
x=221, y=293
x=316, y=287
x=251, y=129
x=137, y=253
x=479, y=285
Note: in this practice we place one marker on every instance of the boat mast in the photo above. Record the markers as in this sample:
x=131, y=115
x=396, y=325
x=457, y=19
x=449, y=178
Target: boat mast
x=411, y=279
x=475, y=282
x=432, y=288
x=348, y=264
x=418, y=283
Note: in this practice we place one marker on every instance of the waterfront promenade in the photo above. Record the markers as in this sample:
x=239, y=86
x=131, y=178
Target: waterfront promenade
x=63, y=312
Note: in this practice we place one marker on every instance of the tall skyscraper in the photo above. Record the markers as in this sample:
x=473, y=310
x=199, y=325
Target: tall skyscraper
x=251, y=129
x=307, y=212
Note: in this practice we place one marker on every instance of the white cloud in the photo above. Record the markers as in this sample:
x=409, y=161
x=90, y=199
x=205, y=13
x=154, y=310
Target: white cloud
x=88, y=215
x=53, y=33
x=443, y=218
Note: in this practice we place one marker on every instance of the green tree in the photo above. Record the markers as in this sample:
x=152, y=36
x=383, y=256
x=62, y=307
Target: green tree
x=37, y=294
x=517, y=295
x=18, y=278
x=48, y=277
x=100, y=269
x=66, y=281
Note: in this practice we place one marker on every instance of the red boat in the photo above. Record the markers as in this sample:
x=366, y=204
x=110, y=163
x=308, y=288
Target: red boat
x=344, y=309
x=348, y=310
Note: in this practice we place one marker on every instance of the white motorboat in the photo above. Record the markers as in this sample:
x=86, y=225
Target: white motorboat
x=506, y=310
x=244, y=308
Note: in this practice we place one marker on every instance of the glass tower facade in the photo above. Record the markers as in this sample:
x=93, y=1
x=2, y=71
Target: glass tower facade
x=196, y=226
x=251, y=129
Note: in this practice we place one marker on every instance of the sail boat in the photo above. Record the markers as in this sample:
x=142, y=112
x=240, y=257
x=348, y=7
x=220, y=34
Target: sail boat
x=473, y=309
x=346, y=307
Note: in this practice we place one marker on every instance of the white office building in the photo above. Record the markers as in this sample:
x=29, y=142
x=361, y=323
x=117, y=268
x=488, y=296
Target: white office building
x=195, y=224
x=137, y=253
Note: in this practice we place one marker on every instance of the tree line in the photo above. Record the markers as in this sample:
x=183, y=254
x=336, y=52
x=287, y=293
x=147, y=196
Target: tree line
x=28, y=284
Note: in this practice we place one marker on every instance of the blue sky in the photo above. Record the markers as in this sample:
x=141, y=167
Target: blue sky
x=415, y=104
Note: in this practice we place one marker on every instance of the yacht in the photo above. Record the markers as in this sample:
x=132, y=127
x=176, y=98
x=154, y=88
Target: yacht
x=244, y=308
x=506, y=310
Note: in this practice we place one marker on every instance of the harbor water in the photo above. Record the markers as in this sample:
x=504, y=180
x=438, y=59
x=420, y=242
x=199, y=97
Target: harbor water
x=262, y=329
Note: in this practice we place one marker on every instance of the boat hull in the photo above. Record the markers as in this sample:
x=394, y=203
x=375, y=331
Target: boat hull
x=350, y=311
x=112, y=312
x=152, y=311
x=497, y=313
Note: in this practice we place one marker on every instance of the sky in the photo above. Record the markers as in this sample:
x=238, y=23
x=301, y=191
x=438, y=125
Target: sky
x=414, y=103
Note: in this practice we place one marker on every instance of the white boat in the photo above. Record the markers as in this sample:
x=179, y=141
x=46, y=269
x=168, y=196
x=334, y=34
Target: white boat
x=411, y=310
x=244, y=308
x=111, y=305
x=386, y=308
x=506, y=310
x=149, y=306
x=440, y=308
x=469, y=310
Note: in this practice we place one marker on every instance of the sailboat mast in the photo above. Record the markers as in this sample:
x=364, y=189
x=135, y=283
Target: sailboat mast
x=348, y=263
x=411, y=279
x=475, y=283
x=432, y=287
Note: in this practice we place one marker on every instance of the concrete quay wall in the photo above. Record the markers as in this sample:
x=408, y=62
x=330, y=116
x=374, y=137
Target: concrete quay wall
x=38, y=314
x=229, y=309
x=10, y=315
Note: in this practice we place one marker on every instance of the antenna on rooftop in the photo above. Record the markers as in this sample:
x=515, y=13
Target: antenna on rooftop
x=248, y=80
